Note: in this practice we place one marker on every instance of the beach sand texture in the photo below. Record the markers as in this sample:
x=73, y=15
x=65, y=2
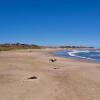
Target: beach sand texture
x=28, y=75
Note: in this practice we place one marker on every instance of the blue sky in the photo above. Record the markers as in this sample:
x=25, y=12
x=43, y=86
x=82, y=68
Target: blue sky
x=50, y=22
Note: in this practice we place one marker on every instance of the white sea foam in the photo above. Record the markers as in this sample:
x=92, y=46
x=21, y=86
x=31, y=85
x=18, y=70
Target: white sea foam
x=97, y=50
x=74, y=52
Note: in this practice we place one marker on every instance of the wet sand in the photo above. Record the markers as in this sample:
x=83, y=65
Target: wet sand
x=28, y=75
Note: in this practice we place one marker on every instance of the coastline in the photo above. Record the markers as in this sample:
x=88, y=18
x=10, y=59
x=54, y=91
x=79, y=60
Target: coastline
x=70, y=55
x=65, y=79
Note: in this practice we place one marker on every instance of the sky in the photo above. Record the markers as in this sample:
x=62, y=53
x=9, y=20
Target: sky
x=50, y=22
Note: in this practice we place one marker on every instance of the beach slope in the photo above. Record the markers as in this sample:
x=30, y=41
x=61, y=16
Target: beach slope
x=29, y=75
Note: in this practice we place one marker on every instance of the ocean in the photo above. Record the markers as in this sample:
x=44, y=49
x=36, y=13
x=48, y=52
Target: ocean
x=80, y=54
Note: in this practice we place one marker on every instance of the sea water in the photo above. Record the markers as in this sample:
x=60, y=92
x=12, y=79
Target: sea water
x=80, y=54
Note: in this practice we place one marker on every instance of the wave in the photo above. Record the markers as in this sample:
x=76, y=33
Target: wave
x=97, y=51
x=75, y=52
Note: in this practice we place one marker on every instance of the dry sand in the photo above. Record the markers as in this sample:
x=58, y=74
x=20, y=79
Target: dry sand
x=66, y=79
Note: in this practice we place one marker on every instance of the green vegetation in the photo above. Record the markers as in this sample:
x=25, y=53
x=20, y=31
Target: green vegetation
x=74, y=47
x=6, y=47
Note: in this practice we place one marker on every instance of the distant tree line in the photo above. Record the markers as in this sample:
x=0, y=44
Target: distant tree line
x=8, y=46
x=75, y=47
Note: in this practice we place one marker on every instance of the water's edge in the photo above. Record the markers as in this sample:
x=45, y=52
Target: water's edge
x=71, y=54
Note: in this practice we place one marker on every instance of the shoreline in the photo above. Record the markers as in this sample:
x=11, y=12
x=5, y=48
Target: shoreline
x=75, y=57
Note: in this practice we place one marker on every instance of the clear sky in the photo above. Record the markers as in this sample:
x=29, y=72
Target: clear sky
x=50, y=22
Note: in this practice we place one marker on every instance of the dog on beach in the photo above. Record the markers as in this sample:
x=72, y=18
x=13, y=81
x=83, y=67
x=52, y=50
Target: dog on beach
x=52, y=60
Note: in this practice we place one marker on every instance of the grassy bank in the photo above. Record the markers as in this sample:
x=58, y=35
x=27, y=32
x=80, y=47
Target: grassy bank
x=6, y=47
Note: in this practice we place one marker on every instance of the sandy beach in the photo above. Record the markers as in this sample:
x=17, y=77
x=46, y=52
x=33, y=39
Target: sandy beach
x=28, y=75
